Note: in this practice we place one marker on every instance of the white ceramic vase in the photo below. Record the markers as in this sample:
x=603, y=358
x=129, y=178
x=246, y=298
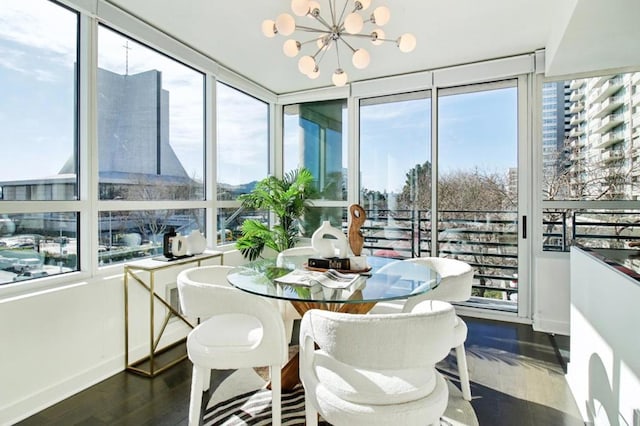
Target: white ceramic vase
x=179, y=245
x=329, y=247
x=196, y=242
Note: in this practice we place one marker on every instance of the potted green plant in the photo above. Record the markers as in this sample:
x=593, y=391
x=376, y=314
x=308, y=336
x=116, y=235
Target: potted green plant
x=288, y=199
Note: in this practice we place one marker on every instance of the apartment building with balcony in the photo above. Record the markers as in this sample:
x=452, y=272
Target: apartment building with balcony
x=603, y=131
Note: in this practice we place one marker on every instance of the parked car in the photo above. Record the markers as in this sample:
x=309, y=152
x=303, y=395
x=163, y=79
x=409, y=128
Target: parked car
x=23, y=265
x=28, y=275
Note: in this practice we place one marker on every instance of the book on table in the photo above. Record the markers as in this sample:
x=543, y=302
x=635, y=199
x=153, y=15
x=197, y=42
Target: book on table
x=330, y=278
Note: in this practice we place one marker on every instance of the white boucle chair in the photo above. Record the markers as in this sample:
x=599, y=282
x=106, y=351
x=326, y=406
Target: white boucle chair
x=455, y=286
x=238, y=330
x=289, y=313
x=376, y=369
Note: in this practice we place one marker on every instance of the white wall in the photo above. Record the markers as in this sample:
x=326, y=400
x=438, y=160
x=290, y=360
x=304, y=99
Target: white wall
x=551, y=293
x=57, y=342
x=604, y=371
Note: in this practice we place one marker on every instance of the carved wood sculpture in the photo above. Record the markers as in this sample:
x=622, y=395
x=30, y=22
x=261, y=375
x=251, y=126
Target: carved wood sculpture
x=355, y=237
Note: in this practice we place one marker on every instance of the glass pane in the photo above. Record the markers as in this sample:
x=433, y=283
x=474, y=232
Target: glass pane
x=594, y=228
x=150, y=123
x=37, y=245
x=591, y=138
x=38, y=116
x=395, y=152
x=242, y=143
x=315, y=137
x=231, y=219
x=312, y=220
x=395, y=170
x=477, y=188
x=129, y=234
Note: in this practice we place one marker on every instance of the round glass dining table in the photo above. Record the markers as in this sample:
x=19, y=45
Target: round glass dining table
x=386, y=279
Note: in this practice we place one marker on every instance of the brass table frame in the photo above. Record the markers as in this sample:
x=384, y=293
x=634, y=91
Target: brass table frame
x=132, y=270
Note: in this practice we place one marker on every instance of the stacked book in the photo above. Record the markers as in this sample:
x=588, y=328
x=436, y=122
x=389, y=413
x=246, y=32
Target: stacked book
x=338, y=263
x=330, y=278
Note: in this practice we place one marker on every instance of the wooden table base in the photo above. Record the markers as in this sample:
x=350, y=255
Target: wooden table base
x=290, y=372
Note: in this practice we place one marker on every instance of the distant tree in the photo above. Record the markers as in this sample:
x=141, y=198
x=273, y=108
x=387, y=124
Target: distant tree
x=416, y=192
x=474, y=190
x=572, y=175
x=372, y=200
x=457, y=190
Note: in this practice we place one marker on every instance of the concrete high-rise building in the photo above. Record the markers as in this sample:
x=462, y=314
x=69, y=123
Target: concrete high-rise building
x=555, y=123
x=591, y=136
x=604, y=140
x=133, y=143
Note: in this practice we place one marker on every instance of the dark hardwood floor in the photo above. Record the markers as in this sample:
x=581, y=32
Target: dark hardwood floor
x=517, y=378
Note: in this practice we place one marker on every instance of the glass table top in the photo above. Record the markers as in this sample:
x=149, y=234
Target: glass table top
x=388, y=279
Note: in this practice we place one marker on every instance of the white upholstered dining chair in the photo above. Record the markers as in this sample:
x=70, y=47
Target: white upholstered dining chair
x=455, y=286
x=372, y=369
x=238, y=330
x=289, y=313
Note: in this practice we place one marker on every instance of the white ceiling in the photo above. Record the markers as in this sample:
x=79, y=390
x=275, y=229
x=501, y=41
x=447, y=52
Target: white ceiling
x=579, y=35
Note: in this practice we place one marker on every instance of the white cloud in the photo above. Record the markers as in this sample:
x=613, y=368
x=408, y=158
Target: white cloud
x=41, y=25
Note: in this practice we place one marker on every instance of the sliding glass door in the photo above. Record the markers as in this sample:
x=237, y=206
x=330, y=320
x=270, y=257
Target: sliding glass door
x=477, y=187
x=473, y=212
x=395, y=172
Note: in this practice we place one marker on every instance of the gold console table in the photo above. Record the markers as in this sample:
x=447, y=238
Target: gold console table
x=151, y=266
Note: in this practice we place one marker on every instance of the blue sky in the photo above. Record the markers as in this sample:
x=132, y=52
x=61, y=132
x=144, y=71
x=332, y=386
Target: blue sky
x=476, y=131
x=37, y=55
x=36, y=67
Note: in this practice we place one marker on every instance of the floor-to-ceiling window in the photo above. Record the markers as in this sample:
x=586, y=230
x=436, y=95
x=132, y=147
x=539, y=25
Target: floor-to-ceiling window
x=39, y=140
x=242, y=156
x=315, y=137
x=476, y=171
x=150, y=147
x=395, y=172
x=477, y=187
x=117, y=151
x=591, y=164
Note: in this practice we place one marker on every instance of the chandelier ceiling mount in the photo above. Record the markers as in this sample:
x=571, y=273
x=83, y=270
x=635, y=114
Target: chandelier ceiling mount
x=339, y=29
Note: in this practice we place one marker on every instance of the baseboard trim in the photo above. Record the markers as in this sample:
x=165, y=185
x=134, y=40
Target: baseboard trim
x=552, y=326
x=57, y=392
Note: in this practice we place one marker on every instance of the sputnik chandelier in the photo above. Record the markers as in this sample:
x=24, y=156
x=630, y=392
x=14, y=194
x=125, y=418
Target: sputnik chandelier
x=339, y=30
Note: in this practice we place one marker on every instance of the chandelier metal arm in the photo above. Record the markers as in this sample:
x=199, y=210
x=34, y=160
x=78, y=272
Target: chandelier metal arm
x=320, y=49
x=332, y=11
x=368, y=36
x=324, y=52
x=344, y=9
x=323, y=22
x=346, y=43
x=313, y=30
x=338, y=55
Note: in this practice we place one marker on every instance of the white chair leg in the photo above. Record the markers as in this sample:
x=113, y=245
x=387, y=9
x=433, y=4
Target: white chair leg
x=311, y=414
x=288, y=329
x=463, y=372
x=195, y=402
x=206, y=379
x=276, y=403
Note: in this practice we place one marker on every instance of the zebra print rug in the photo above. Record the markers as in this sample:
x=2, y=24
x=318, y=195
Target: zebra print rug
x=241, y=399
x=254, y=408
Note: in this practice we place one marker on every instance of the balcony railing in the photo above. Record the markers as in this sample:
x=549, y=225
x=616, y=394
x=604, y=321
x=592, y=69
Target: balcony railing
x=487, y=240
x=612, y=155
x=601, y=229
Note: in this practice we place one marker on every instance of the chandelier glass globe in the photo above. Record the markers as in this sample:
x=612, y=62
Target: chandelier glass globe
x=347, y=27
